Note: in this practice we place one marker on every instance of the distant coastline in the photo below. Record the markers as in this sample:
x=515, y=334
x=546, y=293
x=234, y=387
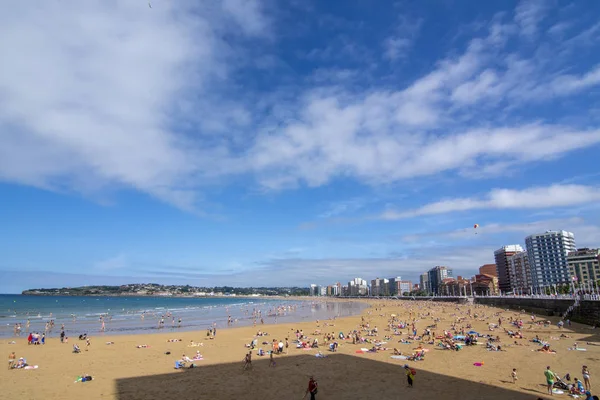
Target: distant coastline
x=156, y=290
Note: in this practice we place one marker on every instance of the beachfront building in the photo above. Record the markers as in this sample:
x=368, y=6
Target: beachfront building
x=314, y=289
x=436, y=276
x=584, y=267
x=520, y=273
x=456, y=287
x=485, y=285
x=393, y=285
x=547, y=253
x=424, y=282
x=357, y=287
x=379, y=287
x=404, y=287
x=488, y=269
x=502, y=268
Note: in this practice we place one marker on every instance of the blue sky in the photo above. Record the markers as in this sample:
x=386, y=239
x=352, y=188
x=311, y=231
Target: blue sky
x=249, y=142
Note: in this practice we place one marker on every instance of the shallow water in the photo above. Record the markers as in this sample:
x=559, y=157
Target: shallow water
x=123, y=315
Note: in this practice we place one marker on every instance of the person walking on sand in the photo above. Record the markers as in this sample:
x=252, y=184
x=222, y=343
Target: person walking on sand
x=312, y=388
x=550, y=377
x=513, y=374
x=271, y=359
x=410, y=375
x=248, y=361
x=585, y=373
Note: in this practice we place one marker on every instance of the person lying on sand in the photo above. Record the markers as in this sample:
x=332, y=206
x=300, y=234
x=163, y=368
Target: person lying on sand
x=173, y=340
x=142, y=346
x=195, y=344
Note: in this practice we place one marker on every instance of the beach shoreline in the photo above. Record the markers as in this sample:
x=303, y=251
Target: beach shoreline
x=123, y=371
x=141, y=315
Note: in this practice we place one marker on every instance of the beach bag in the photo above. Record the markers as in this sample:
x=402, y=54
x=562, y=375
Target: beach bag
x=413, y=372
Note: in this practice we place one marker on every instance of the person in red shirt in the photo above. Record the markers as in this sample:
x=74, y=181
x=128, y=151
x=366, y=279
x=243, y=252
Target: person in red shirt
x=312, y=388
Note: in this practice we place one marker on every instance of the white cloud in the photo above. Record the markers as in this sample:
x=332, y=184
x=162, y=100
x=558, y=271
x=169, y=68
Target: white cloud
x=530, y=198
x=528, y=15
x=164, y=116
x=86, y=89
x=249, y=15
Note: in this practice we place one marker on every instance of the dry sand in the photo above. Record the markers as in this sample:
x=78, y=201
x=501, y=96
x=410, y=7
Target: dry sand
x=122, y=371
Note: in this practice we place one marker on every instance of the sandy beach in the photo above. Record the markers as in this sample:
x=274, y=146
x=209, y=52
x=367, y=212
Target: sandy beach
x=124, y=371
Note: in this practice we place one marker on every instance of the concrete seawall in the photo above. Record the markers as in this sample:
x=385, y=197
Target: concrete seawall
x=587, y=313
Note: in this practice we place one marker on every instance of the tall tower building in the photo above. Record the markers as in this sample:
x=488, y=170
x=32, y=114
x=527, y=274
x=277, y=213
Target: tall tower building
x=502, y=267
x=436, y=276
x=424, y=281
x=520, y=273
x=548, y=254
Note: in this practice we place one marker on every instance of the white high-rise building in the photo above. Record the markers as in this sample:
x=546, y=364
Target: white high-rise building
x=547, y=253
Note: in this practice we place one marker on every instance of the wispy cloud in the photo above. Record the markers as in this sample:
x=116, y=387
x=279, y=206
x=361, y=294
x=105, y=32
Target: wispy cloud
x=529, y=14
x=167, y=116
x=400, y=42
x=530, y=198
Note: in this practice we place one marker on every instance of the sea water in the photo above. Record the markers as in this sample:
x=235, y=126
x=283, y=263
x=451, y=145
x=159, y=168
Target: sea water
x=133, y=315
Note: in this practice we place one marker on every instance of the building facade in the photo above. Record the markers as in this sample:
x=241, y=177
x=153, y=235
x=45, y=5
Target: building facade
x=436, y=277
x=520, y=273
x=584, y=266
x=424, y=282
x=358, y=287
x=377, y=287
x=547, y=253
x=404, y=287
x=488, y=269
x=501, y=257
x=393, y=285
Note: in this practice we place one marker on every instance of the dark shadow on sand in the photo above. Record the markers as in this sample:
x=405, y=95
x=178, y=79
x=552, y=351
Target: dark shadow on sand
x=339, y=376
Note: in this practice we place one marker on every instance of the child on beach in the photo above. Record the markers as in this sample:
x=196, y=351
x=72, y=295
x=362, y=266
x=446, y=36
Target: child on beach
x=513, y=374
x=11, y=360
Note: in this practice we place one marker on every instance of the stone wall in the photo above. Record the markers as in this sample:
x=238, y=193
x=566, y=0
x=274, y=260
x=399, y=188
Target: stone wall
x=587, y=313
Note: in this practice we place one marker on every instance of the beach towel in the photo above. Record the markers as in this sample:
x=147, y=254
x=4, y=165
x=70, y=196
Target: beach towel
x=31, y=367
x=399, y=357
x=359, y=352
x=364, y=349
x=478, y=364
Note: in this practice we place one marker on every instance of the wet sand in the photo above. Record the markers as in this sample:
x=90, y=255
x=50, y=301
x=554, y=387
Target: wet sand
x=122, y=371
